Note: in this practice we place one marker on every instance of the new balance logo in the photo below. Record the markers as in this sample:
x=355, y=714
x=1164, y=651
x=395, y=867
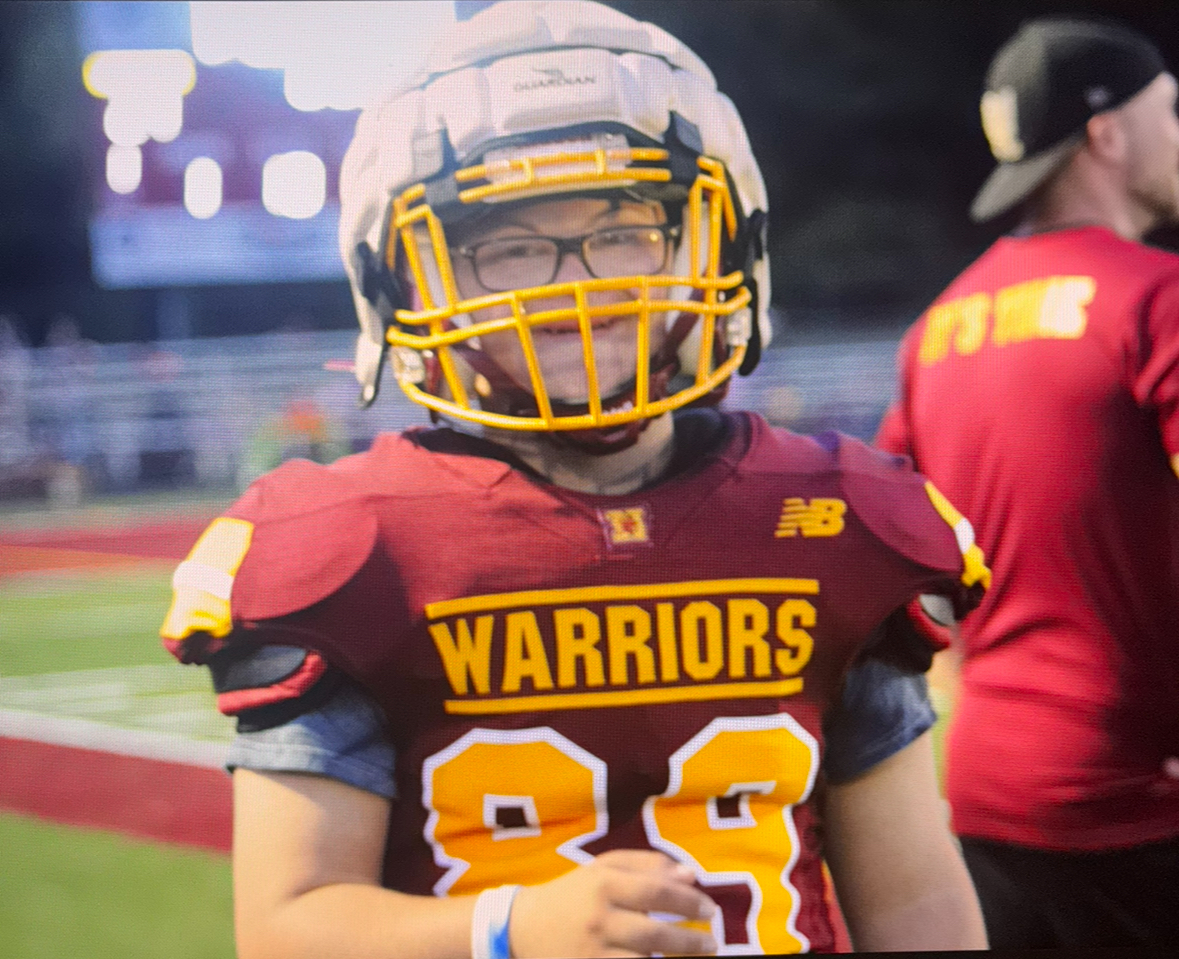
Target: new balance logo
x=816, y=517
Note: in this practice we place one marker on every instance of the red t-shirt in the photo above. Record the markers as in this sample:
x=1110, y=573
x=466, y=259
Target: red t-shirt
x=565, y=674
x=1040, y=394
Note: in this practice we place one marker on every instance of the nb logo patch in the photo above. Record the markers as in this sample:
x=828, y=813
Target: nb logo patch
x=625, y=526
x=816, y=517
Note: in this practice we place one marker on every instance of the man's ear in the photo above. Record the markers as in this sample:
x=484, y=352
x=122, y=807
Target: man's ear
x=1106, y=137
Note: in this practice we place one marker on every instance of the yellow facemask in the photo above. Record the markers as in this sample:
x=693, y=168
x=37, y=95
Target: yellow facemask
x=706, y=310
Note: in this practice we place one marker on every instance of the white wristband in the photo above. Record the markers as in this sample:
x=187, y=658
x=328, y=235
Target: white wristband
x=489, y=924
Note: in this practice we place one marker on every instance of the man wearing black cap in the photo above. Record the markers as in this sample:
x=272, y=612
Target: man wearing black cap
x=1040, y=393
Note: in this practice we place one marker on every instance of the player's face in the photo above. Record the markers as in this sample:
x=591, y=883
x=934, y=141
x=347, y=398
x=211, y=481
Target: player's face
x=1152, y=129
x=510, y=251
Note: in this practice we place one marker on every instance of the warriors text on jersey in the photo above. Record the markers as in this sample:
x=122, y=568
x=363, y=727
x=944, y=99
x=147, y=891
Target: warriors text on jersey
x=1041, y=394
x=565, y=674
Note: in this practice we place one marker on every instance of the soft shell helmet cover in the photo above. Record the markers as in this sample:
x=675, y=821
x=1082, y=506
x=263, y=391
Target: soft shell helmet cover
x=549, y=100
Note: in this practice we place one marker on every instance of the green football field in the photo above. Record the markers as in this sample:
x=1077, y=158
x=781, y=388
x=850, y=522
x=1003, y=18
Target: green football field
x=59, y=620
x=82, y=644
x=80, y=893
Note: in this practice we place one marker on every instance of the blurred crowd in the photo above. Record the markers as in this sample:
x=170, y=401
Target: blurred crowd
x=79, y=418
x=45, y=447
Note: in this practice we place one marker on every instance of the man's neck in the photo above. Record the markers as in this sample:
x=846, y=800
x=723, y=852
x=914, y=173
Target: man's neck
x=609, y=474
x=1083, y=195
x=1124, y=226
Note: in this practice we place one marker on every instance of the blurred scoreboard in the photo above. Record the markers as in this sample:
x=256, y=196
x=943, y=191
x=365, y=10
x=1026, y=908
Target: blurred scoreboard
x=218, y=130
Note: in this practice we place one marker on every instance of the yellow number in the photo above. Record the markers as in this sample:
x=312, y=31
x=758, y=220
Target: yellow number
x=726, y=811
x=511, y=806
x=517, y=806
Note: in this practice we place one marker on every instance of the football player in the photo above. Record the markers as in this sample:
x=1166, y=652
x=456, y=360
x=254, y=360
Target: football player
x=588, y=668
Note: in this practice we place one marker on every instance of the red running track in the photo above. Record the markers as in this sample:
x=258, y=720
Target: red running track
x=149, y=798
x=141, y=796
x=161, y=540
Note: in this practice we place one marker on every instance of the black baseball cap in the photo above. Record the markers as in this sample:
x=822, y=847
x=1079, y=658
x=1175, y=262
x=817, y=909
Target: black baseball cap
x=1042, y=87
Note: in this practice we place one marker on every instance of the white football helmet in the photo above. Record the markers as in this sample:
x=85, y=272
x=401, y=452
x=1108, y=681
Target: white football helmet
x=531, y=99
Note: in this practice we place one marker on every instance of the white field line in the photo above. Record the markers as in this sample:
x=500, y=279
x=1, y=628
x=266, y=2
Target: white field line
x=159, y=712
x=85, y=734
x=155, y=676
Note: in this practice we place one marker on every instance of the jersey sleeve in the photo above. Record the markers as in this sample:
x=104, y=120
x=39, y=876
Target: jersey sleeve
x=911, y=518
x=908, y=639
x=881, y=710
x=1155, y=376
x=293, y=540
x=267, y=685
x=342, y=738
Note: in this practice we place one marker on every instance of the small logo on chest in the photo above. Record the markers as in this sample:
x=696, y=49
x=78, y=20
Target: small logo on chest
x=625, y=527
x=814, y=517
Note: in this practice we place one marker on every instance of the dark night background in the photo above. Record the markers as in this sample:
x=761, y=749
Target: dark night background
x=863, y=116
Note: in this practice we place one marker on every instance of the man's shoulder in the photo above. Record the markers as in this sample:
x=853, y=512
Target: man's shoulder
x=1040, y=287
x=1109, y=256
x=1095, y=250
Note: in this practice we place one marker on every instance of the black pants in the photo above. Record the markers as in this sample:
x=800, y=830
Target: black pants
x=1033, y=898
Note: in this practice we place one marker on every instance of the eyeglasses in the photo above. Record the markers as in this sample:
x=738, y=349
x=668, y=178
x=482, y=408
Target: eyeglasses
x=521, y=261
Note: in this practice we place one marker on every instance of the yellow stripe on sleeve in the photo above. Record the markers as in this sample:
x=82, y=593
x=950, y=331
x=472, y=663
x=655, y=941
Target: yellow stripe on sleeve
x=202, y=584
x=974, y=566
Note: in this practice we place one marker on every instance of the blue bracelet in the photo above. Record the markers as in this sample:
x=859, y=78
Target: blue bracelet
x=489, y=923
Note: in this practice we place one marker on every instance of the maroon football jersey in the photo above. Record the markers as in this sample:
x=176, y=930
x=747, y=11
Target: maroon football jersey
x=1040, y=393
x=565, y=674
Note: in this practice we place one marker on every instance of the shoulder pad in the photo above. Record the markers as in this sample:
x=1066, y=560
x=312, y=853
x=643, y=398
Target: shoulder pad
x=266, y=686
x=909, y=637
x=312, y=531
x=294, y=538
x=774, y=449
x=907, y=513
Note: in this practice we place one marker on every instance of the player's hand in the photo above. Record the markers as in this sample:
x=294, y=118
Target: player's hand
x=601, y=910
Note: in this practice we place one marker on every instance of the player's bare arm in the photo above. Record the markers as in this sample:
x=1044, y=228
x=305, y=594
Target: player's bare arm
x=307, y=865
x=894, y=814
